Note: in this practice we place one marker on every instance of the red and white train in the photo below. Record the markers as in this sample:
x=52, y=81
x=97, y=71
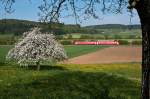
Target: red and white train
x=110, y=42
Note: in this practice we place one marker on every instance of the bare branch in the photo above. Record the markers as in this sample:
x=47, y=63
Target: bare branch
x=8, y=5
x=53, y=10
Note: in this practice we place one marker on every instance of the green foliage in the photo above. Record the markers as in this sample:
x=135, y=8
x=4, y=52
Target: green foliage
x=70, y=36
x=108, y=36
x=114, y=26
x=86, y=37
x=117, y=36
x=17, y=27
x=8, y=39
x=99, y=37
x=132, y=37
x=137, y=42
x=123, y=42
x=66, y=42
x=12, y=26
x=59, y=37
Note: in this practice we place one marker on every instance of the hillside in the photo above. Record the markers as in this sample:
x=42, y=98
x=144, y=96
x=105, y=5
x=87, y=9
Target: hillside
x=114, y=26
x=17, y=27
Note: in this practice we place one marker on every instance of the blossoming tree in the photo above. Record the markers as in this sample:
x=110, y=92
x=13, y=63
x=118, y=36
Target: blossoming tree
x=36, y=47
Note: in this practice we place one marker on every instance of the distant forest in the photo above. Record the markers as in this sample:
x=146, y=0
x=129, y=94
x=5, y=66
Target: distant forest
x=115, y=26
x=17, y=27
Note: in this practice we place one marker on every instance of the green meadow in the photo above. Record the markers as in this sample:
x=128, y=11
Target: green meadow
x=97, y=81
x=71, y=50
x=70, y=81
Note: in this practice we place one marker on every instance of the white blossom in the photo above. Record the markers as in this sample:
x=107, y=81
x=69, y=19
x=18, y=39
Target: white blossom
x=36, y=46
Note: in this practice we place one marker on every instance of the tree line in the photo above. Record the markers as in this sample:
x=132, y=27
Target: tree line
x=17, y=27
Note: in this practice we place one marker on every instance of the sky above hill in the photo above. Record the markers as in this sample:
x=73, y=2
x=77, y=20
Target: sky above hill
x=28, y=11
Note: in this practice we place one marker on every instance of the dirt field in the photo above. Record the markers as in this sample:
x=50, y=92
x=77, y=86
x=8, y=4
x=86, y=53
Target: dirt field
x=116, y=54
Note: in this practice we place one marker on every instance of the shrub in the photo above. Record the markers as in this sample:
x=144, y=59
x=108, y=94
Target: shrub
x=99, y=37
x=108, y=37
x=66, y=42
x=59, y=37
x=132, y=37
x=7, y=40
x=137, y=42
x=123, y=42
x=86, y=37
x=117, y=36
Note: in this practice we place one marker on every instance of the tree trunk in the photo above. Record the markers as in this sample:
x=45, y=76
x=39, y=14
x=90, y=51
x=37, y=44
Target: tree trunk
x=145, y=60
x=38, y=65
x=143, y=9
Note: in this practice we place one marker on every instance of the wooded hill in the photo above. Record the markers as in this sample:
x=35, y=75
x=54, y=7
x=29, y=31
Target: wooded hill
x=17, y=27
x=114, y=26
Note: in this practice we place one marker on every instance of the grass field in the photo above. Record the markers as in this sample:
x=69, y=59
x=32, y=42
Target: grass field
x=77, y=50
x=3, y=52
x=105, y=81
x=72, y=50
x=70, y=81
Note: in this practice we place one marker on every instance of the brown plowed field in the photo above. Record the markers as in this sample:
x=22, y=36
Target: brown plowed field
x=116, y=54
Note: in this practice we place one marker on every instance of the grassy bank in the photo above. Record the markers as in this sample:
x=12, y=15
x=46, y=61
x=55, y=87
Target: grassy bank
x=94, y=81
x=105, y=81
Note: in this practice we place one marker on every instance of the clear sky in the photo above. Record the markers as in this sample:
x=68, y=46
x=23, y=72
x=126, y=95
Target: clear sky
x=28, y=11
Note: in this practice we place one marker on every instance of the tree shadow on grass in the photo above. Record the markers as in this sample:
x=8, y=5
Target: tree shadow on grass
x=46, y=67
x=74, y=85
x=2, y=64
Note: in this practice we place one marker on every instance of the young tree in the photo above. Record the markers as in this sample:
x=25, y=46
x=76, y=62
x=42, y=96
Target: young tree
x=36, y=47
x=51, y=10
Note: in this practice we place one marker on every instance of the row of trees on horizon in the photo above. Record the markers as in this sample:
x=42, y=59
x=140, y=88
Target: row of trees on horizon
x=17, y=27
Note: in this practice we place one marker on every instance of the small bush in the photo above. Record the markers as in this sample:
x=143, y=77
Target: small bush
x=7, y=40
x=132, y=37
x=99, y=37
x=123, y=42
x=59, y=37
x=137, y=42
x=86, y=37
x=108, y=37
x=66, y=42
x=117, y=36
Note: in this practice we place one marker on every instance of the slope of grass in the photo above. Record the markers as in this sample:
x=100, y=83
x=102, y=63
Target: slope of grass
x=71, y=82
